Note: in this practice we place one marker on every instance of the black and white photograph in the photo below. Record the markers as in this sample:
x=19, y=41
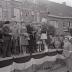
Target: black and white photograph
x=35, y=35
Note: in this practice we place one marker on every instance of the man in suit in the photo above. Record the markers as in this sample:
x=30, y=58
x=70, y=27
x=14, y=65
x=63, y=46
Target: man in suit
x=6, y=41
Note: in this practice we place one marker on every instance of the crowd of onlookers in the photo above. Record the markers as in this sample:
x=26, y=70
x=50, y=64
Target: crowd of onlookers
x=33, y=39
x=43, y=39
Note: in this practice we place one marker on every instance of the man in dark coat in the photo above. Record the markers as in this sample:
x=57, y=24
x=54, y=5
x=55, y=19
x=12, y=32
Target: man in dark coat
x=6, y=42
x=1, y=42
x=30, y=41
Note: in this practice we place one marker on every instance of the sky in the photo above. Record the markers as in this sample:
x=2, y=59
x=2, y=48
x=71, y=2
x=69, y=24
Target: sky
x=68, y=2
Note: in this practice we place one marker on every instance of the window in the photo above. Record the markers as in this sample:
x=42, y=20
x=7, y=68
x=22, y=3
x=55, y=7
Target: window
x=65, y=24
x=54, y=23
x=70, y=24
x=28, y=15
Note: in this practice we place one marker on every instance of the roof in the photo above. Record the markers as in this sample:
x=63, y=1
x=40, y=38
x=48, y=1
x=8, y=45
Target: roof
x=52, y=7
x=60, y=10
x=56, y=8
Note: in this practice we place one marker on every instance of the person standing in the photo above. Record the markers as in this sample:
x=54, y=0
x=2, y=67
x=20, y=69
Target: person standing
x=23, y=40
x=67, y=52
x=30, y=41
x=1, y=42
x=44, y=38
x=6, y=42
x=39, y=42
x=34, y=42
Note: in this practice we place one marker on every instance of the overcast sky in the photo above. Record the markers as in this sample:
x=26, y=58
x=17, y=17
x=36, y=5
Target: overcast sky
x=68, y=2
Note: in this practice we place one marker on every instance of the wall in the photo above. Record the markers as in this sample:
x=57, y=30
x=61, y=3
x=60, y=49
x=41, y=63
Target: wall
x=21, y=12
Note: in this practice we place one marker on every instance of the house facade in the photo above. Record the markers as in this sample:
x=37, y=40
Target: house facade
x=58, y=15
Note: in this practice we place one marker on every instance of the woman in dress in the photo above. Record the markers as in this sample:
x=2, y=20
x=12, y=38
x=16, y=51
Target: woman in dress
x=44, y=38
x=23, y=40
x=38, y=39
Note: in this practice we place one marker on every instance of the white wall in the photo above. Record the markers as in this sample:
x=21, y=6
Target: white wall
x=0, y=14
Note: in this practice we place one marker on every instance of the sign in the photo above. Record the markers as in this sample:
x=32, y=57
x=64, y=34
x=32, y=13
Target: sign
x=44, y=20
x=17, y=14
x=28, y=15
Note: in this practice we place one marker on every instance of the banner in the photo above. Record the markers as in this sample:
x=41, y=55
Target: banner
x=30, y=63
x=6, y=65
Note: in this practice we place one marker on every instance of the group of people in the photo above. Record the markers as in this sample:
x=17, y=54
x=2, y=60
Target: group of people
x=33, y=39
x=42, y=40
x=9, y=44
